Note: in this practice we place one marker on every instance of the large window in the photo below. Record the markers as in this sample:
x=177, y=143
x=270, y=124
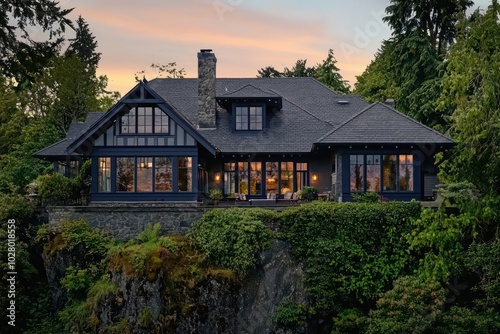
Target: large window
x=163, y=174
x=125, y=174
x=229, y=178
x=272, y=177
x=144, y=174
x=301, y=175
x=249, y=118
x=387, y=173
x=373, y=173
x=185, y=173
x=144, y=120
x=278, y=178
x=243, y=177
x=255, y=178
x=104, y=175
x=406, y=172
x=356, y=173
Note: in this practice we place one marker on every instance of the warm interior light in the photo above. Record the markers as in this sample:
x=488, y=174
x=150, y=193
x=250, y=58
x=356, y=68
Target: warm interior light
x=315, y=177
x=217, y=177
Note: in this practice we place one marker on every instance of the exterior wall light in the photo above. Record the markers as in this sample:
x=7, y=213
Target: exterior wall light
x=217, y=177
x=315, y=177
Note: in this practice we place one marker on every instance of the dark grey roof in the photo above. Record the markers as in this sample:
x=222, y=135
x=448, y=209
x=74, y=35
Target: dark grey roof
x=76, y=129
x=249, y=91
x=309, y=110
x=381, y=124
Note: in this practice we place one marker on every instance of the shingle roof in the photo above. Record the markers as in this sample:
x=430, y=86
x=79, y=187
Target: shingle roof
x=309, y=110
x=381, y=124
x=76, y=129
x=249, y=91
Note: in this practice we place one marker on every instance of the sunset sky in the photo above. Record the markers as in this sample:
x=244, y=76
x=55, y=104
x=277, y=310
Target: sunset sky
x=245, y=35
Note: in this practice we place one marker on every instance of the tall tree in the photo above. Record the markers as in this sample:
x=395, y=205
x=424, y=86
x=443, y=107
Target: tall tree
x=22, y=24
x=84, y=44
x=328, y=73
x=471, y=85
x=435, y=19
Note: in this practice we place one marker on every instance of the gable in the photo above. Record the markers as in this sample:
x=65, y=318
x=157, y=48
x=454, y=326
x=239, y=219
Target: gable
x=153, y=123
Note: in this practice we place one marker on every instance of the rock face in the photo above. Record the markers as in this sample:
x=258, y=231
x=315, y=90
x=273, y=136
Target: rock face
x=216, y=306
x=277, y=278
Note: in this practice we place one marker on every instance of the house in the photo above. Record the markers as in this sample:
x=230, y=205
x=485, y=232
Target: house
x=174, y=139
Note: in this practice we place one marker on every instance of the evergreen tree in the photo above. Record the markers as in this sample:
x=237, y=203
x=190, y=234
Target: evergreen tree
x=84, y=44
x=21, y=25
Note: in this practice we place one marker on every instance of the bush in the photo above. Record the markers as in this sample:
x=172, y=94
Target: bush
x=54, y=188
x=369, y=197
x=412, y=306
x=309, y=193
x=231, y=238
x=352, y=251
x=289, y=315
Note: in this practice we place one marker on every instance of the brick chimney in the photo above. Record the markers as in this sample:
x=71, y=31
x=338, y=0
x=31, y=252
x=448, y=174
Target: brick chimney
x=206, y=89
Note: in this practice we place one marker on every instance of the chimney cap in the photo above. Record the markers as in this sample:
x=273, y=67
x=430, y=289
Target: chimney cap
x=205, y=50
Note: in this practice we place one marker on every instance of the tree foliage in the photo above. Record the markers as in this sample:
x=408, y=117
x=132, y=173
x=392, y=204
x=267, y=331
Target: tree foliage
x=326, y=72
x=471, y=88
x=84, y=45
x=23, y=23
x=435, y=19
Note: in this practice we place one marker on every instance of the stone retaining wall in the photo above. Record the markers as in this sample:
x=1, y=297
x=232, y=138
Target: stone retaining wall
x=125, y=221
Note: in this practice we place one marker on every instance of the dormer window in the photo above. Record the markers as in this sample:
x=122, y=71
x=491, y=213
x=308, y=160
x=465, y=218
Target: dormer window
x=249, y=118
x=144, y=120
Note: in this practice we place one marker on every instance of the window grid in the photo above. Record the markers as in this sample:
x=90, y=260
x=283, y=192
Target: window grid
x=144, y=120
x=249, y=118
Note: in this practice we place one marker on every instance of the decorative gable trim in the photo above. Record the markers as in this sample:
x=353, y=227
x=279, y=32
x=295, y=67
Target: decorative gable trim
x=140, y=94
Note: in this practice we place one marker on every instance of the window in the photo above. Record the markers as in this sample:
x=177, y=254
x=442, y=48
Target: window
x=373, y=173
x=301, y=175
x=272, y=177
x=249, y=118
x=185, y=173
x=125, y=172
x=163, y=174
x=104, y=174
x=286, y=177
x=144, y=174
x=144, y=120
x=389, y=172
x=381, y=173
x=356, y=173
x=243, y=177
x=406, y=172
x=229, y=178
x=255, y=178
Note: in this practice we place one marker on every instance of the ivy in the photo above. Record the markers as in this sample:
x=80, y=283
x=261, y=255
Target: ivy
x=231, y=238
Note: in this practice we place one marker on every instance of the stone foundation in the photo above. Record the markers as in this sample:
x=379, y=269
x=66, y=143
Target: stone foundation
x=127, y=220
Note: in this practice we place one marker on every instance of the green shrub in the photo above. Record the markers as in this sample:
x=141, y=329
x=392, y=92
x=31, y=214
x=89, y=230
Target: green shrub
x=145, y=319
x=215, y=195
x=369, y=197
x=289, y=315
x=412, y=306
x=352, y=251
x=309, y=193
x=77, y=282
x=102, y=289
x=231, y=238
x=54, y=188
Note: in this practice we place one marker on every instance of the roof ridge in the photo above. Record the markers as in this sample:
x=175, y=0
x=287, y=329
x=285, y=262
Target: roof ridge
x=306, y=111
x=347, y=121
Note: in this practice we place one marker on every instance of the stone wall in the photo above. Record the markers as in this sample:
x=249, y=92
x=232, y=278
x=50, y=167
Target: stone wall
x=127, y=220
